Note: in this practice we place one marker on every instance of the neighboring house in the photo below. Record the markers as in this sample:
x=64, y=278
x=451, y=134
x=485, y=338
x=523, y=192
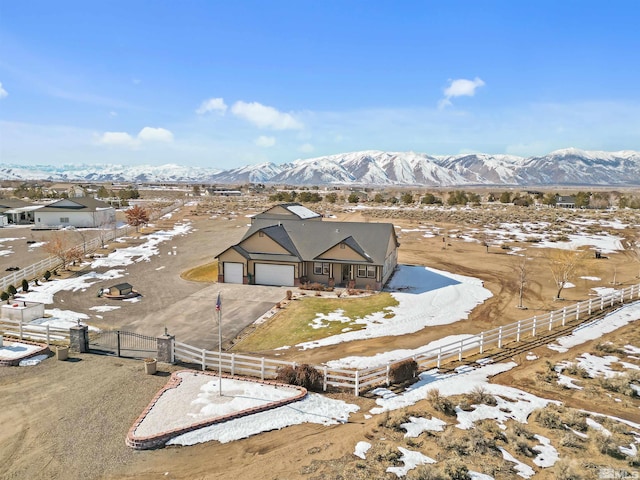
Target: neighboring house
x=290, y=245
x=76, y=191
x=81, y=212
x=214, y=192
x=565, y=201
x=17, y=211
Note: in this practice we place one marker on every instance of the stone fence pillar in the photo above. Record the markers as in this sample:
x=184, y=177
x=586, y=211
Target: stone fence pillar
x=79, y=338
x=165, y=348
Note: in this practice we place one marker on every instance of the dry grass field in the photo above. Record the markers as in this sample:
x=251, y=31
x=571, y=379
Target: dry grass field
x=68, y=419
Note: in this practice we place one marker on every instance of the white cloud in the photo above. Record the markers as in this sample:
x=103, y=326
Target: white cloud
x=150, y=134
x=460, y=87
x=147, y=134
x=120, y=139
x=306, y=148
x=113, y=114
x=265, y=117
x=264, y=141
x=3, y=92
x=212, y=105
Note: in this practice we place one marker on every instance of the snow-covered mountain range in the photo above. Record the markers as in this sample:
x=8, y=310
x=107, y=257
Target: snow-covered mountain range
x=562, y=167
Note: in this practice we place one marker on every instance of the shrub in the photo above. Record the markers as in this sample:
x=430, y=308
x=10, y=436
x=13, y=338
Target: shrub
x=479, y=395
x=426, y=472
x=11, y=290
x=571, y=440
x=549, y=419
x=456, y=470
x=403, y=371
x=302, y=375
x=394, y=419
x=47, y=275
x=25, y=285
x=441, y=403
x=4, y=296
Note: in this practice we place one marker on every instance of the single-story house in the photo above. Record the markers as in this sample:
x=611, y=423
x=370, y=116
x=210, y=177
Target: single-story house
x=81, y=212
x=290, y=245
x=17, y=211
x=565, y=201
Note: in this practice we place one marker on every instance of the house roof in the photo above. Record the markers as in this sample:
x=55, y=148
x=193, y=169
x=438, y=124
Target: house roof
x=309, y=240
x=296, y=211
x=82, y=204
x=6, y=203
x=121, y=286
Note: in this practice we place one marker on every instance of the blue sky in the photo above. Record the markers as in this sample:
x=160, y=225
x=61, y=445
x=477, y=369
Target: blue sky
x=223, y=84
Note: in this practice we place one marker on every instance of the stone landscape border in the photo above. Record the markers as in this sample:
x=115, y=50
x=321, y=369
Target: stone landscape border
x=13, y=362
x=158, y=440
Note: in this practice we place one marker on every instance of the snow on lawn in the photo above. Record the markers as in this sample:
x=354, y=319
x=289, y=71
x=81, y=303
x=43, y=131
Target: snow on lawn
x=138, y=253
x=596, y=329
x=426, y=297
x=416, y=425
x=61, y=319
x=606, y=243
x=411, y=460
x=393, y=355
x=44, y=292
x=198, y=399
x=548, y=455
x=11, y=350
x=361, y=449
x=524, y=470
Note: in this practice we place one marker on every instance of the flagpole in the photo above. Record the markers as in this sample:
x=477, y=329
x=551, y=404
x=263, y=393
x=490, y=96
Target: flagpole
x=219, y=309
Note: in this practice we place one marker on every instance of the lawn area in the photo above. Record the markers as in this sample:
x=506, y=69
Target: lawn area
x=295, y=323
x=202, y=273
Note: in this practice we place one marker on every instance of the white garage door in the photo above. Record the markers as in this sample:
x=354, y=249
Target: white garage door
x=232, y=272
x=267, y=274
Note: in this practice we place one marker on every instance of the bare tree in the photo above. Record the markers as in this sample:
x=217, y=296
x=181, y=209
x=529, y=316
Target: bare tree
x=137, y=216
x=61, y=247
x=564, y=265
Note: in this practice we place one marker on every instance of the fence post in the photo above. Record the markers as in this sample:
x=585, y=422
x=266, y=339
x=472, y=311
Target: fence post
x=500, y=337
x=118, y=342
x=621, y=296
x=481, y=342
x=533, y=330
x=262, y=368
x=204, y=360
x=21, y=330
x=79, y=338
x=564, y=315
x=48, y=338
x=577, y=311
x=165, y=350
x=357, y=386
x=460, y=352
x=550, y=322
x=233, y=364
x=439, y=357
x=388, y=371
x=324, y=380
x=518, y=331
x=590, y=307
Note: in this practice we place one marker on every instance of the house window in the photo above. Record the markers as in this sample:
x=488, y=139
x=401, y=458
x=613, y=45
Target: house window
x=64, y=219
x=366, y=271
x=261, y=234
x=342, y=245
x=320, y=268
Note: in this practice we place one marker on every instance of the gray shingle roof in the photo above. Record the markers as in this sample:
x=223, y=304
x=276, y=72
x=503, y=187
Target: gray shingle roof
x=312, y=239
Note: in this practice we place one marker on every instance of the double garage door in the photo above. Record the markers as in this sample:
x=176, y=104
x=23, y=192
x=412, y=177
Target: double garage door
x=268, y=274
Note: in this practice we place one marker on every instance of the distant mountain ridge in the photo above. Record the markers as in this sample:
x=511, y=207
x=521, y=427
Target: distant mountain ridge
x=562, y=167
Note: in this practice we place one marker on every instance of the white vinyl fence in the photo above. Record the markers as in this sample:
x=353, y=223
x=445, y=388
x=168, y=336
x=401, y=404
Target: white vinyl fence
x=36, y=333
x=364, y=379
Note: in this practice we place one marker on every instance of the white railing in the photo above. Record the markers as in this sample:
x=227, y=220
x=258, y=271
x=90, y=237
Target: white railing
x=37, y=333
x=363, y=379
